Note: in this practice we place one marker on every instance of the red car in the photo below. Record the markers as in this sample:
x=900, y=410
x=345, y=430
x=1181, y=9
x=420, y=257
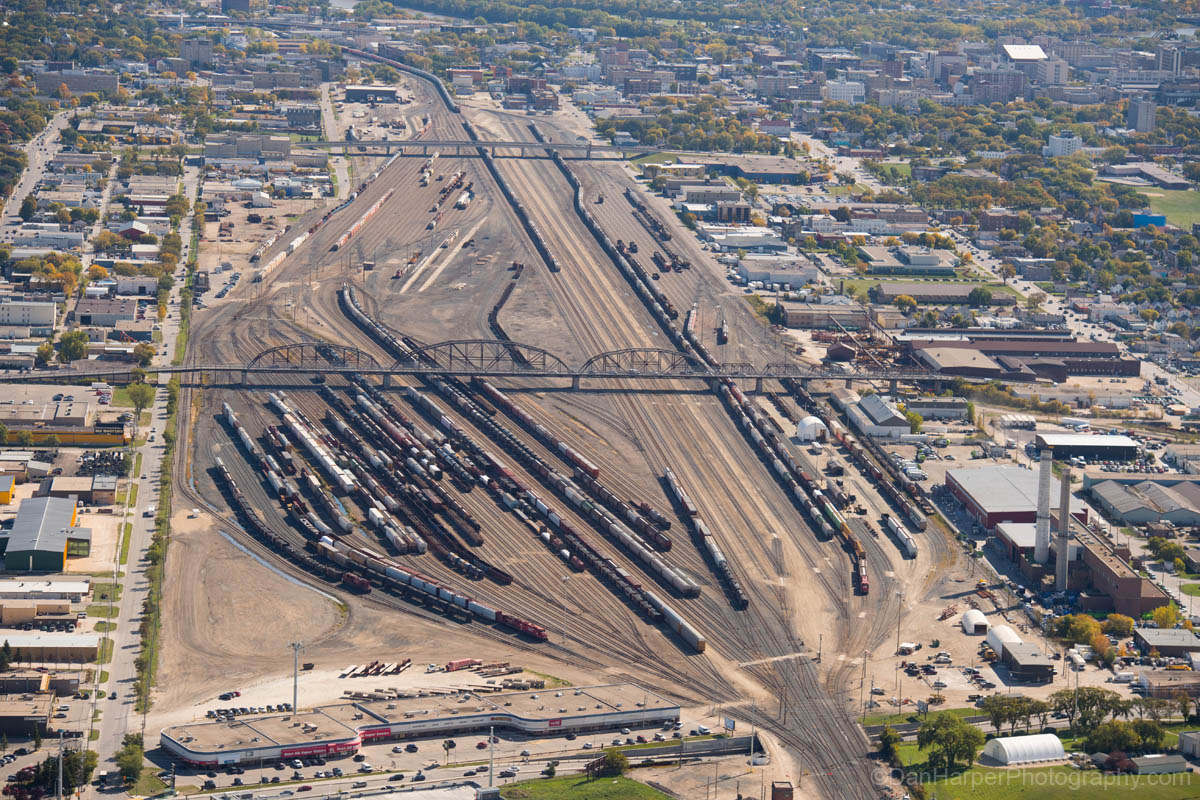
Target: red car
x=481, y=746
x=305, y=788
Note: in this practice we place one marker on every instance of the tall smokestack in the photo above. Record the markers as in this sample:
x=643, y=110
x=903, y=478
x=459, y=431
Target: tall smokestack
x=1041, y=544
x=1064, y=526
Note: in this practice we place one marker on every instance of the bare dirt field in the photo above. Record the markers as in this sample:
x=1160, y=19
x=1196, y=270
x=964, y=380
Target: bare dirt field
x=105, y=539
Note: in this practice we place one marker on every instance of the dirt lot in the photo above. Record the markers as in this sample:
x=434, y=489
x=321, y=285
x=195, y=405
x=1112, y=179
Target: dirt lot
x=226, y=619
x=105, y=540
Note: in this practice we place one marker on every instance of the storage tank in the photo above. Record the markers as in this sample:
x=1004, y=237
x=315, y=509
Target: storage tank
x=1000, y=636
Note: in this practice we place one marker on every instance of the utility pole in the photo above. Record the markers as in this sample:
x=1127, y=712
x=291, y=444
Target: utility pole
x=60, y=764
x=491, y=755
x=296, y=647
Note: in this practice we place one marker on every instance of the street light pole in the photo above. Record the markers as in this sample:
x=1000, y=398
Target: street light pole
x=296, y=647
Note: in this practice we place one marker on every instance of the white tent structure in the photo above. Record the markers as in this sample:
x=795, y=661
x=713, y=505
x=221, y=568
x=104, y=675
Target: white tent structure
x=810, y=429
x=1025, y=749
x=974, y=622
x=1000, y=636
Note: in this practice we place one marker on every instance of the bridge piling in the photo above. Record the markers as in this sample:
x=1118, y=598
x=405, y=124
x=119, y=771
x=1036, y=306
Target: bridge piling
x=575, y=382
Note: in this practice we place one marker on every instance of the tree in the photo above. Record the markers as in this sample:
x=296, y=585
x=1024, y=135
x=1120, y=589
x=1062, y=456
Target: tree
x=905, y=303
x=28, y=208
x=1166, y=616
x=949, y=739
x=1035, y=301
x=1150, y=733
x=915, y=421
x=1118, y=625
x=141, y=395
x=888, y=740
x=1112, y=736
x=979, y=296
x=615, y=762
x=144, y=353
x=996, y=707
x=37, y=738
x=1076, y=628
x=72, y=346
x=130, y=757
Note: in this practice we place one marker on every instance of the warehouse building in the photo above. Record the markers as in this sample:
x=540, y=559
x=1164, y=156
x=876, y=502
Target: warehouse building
x=876, y=416
x=341, y=729
x=54, y=648
x=938, y=407
x=97, y=489
x=1168, y=683
x=44, y=535
x=71, y=591
x=1159, y=764
x=995, y=494
x=1149, y=502
x=1088, y=445
x=1168, y=642
x=1020, y=358
x=371, y=94
x=23, y=714
x=1027, y=663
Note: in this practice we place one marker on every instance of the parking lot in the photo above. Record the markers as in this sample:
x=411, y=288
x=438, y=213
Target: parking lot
x=509, y=755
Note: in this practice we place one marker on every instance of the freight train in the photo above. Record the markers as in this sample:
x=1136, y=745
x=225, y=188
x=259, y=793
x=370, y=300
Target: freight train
x=502, y=483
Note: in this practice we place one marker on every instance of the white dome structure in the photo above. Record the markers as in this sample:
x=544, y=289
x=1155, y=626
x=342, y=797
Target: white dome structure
x=810, y=429
x=974, y=622
x=1000, y=636
x=1025, y=749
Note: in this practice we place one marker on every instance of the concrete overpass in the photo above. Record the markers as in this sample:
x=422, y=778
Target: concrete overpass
x=499, y=149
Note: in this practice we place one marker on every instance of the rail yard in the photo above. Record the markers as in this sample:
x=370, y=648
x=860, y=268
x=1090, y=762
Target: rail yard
x=676, y=539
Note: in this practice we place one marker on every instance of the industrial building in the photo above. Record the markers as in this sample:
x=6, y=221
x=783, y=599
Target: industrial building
x=877, y=416
x=1020, y=359
x=1168, y=683
x=97, y=489
x=974, y=623
x=371, y=94
x=54, y=648
x=1027, y=663
x=1148, y=501
x=71, y=591
x=44, y=535
x=1167, y=642
x=342, y=729
x=909, y=260
x=1159, y=764
x=938, y=407
x=23, y=714
x=1088, y=445
x=995, y=494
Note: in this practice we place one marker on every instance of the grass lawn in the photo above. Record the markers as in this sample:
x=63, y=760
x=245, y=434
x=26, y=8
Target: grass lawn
x=861, y=285
x=1191, y=588
x=105, y=627
x=913, y=716
x=902, y=167
x=655, y=158
x=1182, y=207
x=101, y=591
x=846, y=191
x=125, y=536
x=102, y=610
x=105, y=652
x=120, y=396
x=577, y=788
x=148, y=784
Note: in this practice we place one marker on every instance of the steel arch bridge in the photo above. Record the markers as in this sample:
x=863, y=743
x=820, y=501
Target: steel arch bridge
x=486, y=355
x=308, y=355
x=644, y=361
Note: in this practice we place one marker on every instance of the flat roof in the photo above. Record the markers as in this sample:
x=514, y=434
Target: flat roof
x=257, y=732
x=16, y=640
x=26, y=705
x=1084, y=440
x=1171, y=637
x=1024, y=52
x=997, y=489
x=541, y=703
x=45, y=587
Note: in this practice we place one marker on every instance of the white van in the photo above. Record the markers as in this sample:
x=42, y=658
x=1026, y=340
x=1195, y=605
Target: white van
x=703, y=730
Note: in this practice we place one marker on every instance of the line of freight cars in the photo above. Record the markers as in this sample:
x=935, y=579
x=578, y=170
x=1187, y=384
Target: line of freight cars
x=526, y=503
x=687, y=342
x=647, y=218
x=706, y=542
x=906, y=494
x=640, y=516
x=535, y=233
x=361, y=221
x=372, y=565
x=607, y=523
